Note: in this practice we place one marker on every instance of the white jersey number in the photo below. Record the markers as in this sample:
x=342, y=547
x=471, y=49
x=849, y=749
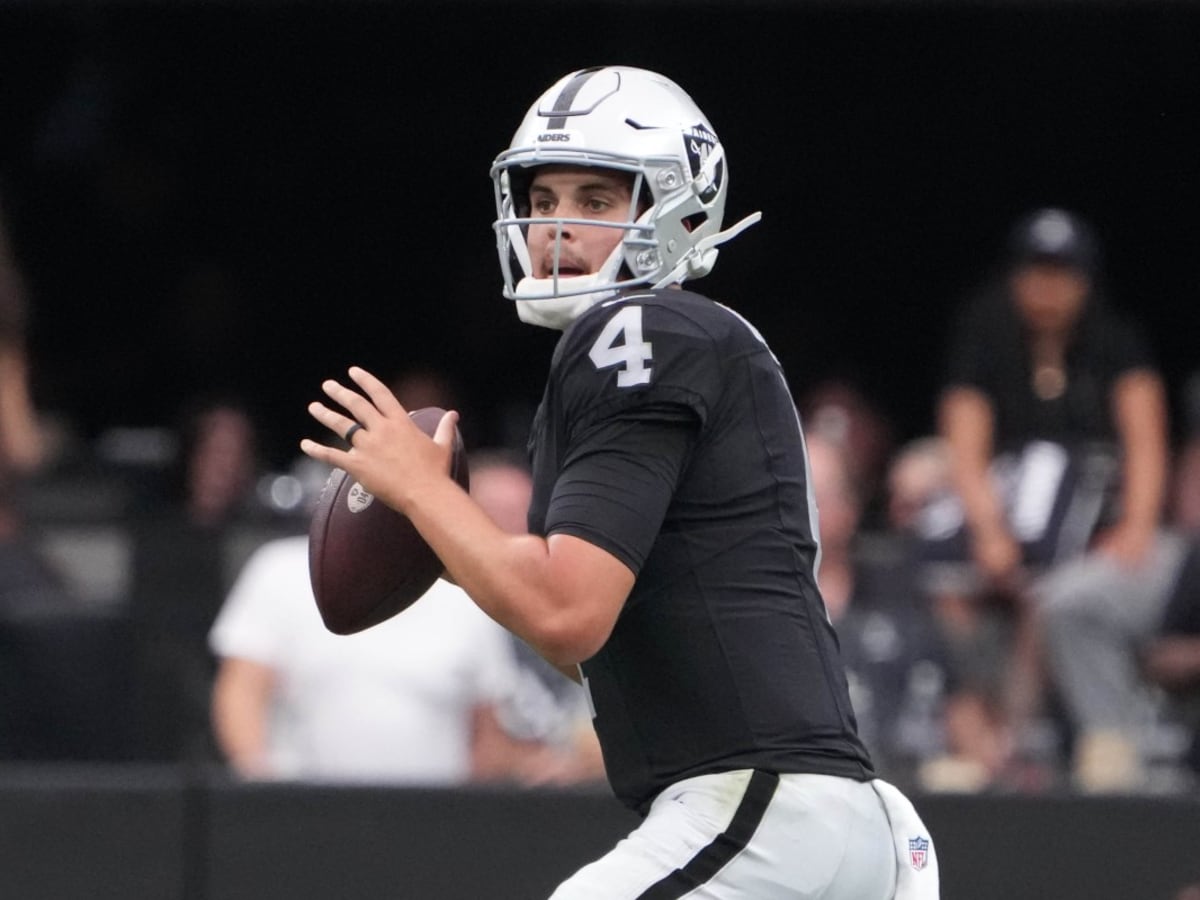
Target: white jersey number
x=621, y=344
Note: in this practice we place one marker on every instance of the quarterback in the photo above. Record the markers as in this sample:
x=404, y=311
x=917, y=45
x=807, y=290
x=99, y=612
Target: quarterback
x=672, y=560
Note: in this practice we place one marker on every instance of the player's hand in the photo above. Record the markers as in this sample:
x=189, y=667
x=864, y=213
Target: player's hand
x=389, y=454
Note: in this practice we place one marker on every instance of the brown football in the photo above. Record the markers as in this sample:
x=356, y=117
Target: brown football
x=367, y=561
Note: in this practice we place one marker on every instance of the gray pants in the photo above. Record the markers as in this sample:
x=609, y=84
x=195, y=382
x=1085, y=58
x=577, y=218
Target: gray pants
x=1095, y=617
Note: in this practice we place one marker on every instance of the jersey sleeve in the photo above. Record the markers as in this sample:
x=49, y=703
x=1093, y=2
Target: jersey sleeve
x=638, y=380
x=618, y=482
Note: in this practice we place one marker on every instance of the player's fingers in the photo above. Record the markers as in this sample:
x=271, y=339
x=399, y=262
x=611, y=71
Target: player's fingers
x=381, y=395
x=329, y=455
x=359, y=407
x=335, y=421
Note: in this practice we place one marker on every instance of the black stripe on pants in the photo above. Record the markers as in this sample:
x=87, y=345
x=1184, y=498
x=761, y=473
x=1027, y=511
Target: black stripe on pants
x=724, y=847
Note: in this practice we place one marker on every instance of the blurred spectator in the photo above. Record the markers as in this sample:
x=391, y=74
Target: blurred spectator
x=1171, y=658
x=419, y=387
x=922, y=510
x=546, y=709
x=1055, y=418
x=838, y=411
x=183, y=564
x=1185, y=487
x=503, y=426
x=894, y=658
x=918, y=480
x=55, y=684
x=419, y=698
x=409, y=700
x=921, y=506
x=21, y=446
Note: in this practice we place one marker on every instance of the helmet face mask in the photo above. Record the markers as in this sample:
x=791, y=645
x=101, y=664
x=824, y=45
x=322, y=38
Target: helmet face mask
x=515, y=219
x=627, y=120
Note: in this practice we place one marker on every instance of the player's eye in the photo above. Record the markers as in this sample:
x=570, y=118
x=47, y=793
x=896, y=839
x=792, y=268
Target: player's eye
x=542, y=205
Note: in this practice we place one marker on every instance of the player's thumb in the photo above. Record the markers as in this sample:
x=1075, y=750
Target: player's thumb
x=447, y=427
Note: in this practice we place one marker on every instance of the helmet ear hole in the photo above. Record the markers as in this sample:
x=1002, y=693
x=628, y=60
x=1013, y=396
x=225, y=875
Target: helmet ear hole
x=694, y=221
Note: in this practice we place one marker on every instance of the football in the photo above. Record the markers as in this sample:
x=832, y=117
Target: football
x=368, y=562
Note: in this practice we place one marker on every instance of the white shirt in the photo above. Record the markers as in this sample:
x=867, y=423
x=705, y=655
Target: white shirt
x=392, y=703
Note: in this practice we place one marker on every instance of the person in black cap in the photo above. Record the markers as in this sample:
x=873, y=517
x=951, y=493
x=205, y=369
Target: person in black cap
x=1055, y=237
x=1055, y=417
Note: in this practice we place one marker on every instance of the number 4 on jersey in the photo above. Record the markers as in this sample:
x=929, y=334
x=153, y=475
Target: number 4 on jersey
x=621, y=344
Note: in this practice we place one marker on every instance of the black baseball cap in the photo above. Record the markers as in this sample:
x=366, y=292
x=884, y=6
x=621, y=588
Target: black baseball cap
x=1053, y=235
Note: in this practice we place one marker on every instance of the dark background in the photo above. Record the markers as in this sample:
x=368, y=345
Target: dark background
x=250, y=197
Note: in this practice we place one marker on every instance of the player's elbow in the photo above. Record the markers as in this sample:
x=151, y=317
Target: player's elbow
x=567, y=640
x=573, y=608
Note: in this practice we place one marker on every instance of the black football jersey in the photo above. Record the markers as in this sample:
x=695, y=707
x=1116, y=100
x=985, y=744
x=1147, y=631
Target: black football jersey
x=667, y=436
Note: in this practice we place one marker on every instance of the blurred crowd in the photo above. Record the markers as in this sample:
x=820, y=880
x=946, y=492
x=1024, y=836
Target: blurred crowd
x=1016, y=593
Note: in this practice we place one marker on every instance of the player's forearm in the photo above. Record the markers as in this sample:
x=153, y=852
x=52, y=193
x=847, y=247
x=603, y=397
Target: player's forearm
x=518, y=580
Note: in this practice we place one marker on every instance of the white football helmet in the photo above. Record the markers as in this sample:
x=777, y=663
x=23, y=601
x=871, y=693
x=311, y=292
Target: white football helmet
x=631, y=120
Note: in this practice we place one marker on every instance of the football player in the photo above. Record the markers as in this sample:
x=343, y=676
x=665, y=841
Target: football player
x=672, y=564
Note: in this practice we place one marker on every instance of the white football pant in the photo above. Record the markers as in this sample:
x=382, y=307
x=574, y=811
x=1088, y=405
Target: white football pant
x=748, y=835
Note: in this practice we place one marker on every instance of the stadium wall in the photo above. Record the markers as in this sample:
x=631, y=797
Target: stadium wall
x=168, y=834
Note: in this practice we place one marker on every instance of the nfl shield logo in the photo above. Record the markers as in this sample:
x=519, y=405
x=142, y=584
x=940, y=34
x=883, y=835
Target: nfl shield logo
x=918, y=852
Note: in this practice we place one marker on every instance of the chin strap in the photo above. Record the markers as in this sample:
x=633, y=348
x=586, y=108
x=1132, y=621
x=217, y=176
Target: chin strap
x=558, y=312
x=585, y=291
x=580, y=293
x=700, y=262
